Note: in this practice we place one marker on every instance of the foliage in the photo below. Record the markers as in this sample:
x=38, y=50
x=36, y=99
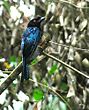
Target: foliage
x=37, y=94
x=68, y=28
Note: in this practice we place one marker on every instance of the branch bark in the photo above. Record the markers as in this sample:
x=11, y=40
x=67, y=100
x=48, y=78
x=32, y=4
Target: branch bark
x=18, y=70
x=11, y=77
x=65, y=64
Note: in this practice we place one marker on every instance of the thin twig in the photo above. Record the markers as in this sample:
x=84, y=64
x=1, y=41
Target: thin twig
x=70, y=67
x=63, y=45
x=6, y=71
x=18, y=69
x=52, y=90
x=13, y=76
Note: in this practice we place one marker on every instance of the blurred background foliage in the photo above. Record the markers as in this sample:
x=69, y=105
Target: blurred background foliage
x=68, y=31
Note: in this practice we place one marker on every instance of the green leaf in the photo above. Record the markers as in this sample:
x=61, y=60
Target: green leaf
x=14, y=85
x=12, y=58
x=35, y=61
x=44, y=81
x=64, y=86
x=19, y=59
x=53, y=69
x=6, y=5
x=38, y=94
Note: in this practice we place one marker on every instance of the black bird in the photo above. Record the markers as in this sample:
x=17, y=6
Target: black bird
x=30, y=40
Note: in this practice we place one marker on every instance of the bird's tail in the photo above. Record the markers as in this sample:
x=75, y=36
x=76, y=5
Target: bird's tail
x=25, y=73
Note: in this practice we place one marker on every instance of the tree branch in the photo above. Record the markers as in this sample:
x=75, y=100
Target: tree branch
x=53, y=91
x=67, y=46
x=11, y=77
x=18, y=70
x=68, y=66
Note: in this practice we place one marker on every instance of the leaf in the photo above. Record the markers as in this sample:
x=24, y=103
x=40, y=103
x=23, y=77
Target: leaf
x=71, y=54
x=64, y=86
x=7, y=65
x=53, y=69
x=6, y=5
x=44, y=81
x=35, y=61
x=12, y=58
x=85, y=62
x=62, y=106
x=38, y=94
x=13, y=61
x=83, y=24
x=19, y=59
x=71, y=92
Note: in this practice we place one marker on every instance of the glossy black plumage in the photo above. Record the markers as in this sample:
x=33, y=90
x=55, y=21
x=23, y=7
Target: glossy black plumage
x=30, y=40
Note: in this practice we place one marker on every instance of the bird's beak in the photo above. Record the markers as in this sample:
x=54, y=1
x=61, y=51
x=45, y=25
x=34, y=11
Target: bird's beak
x=42, y=19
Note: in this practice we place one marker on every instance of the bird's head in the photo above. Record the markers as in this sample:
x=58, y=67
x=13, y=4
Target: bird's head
x=36, y=22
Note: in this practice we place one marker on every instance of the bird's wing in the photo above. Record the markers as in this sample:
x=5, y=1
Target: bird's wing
x=30, y=40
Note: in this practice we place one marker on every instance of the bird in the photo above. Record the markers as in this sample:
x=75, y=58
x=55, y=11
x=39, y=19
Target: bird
x=30, y=39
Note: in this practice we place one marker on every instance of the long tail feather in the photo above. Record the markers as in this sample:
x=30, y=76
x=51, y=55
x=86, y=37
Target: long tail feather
x=25, y=73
